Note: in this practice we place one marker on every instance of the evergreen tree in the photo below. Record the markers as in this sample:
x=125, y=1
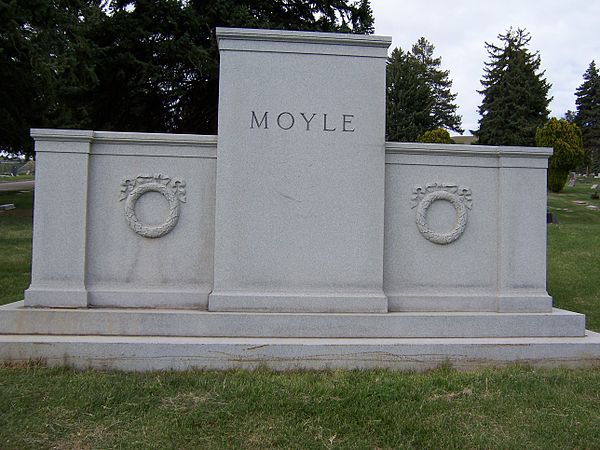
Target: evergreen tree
x=41, y=59
x=133, y=65
x=444, y=110
x=419, y=98
x=162, y=61
x=588, y=115
x=570, y=116
x=409, y=99
x=515, y=93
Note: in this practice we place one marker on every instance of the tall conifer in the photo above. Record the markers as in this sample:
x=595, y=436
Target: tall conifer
x=588, y=115
x=444, y=109
x=409, y=99
x=419, y=96
x=515, y=101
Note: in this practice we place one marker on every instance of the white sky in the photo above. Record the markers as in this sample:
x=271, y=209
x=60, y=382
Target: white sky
x=566, y=33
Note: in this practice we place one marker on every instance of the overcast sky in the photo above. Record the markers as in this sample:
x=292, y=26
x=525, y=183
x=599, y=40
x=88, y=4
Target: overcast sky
x=566, y=33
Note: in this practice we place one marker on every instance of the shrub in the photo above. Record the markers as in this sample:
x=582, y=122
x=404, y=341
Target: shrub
x=565, y=138
x=437, y=136
x=557, y=179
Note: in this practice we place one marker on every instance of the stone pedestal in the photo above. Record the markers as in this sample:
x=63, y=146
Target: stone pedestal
x=300, y=173
x=60, y=221
x=122, y=220
x=465, y=228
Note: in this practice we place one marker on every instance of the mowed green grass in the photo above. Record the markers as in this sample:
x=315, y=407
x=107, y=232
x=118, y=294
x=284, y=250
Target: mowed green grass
x=9, y=179
x=574, y=253
x=15, y=245
x=509, y=408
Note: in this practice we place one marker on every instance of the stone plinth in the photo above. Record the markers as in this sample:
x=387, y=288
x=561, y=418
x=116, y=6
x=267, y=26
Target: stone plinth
x=300, y=174
x=465, y=228
x=168, y=339
x=114, y=213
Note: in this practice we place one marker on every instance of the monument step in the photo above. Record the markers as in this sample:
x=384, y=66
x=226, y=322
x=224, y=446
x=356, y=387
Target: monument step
x=137, y=353
x=17, y=319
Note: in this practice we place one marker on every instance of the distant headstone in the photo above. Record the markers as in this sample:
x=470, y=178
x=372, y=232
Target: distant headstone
x=572, y=179
x=551, y=218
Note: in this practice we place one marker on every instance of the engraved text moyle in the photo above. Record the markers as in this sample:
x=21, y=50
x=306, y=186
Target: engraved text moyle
x=306, y=121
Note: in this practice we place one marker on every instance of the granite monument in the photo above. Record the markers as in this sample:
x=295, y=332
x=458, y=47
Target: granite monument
x=296, y=238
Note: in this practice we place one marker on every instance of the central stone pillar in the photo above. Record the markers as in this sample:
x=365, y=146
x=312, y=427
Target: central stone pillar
x=300, y=172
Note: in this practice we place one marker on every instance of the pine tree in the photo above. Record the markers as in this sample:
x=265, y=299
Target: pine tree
x=570, y=116
x=133, y=65
x=588, y=115
x=409, y=99
x=515, y=93
x=444, y=109
x=162, y=60
x=419, y=98
x=42, y=60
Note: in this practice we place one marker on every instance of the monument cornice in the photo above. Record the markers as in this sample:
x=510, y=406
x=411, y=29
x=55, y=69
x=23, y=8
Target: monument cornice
x=304, y=37
x=63, y=135
x=417, y=148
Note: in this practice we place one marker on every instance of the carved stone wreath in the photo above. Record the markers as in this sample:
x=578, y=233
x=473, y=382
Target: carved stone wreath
x=459, y=198
x=172, y=190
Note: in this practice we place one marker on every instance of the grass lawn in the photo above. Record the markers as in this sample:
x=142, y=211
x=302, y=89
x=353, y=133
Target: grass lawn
x=509, y=408
x=515, y=407
x=8, y=179
x=574, y=253
x=15, y=245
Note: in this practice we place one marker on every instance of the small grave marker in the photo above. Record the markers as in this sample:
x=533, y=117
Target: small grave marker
x=551, y=218
x=572, y=179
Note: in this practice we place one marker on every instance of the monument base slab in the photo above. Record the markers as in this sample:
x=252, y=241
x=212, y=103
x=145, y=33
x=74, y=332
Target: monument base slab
x=58, y=297
x=136, y=339
x=16, y=319
x=146, y=353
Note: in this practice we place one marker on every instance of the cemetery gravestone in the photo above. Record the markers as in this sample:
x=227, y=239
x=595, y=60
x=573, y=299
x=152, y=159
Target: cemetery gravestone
x=297, y=239
x=572, y=179
x=300, y=179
